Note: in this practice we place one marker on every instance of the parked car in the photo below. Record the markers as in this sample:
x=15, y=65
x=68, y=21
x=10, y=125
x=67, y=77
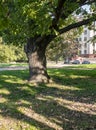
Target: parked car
x=86, y=62
x=76, y=62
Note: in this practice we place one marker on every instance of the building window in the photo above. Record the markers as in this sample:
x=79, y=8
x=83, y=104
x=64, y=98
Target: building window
x=80, y=39
x=76, y=39
x=85, y=32
x=85, y=51
x=80, y=46
x=85, y=38
x=85, y=45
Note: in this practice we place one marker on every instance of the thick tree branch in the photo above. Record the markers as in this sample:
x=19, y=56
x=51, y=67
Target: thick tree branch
x=60, y=7
x=76, y=25
x=90, y=2
x=80, y=4
x=57, y=13
x=58, y=10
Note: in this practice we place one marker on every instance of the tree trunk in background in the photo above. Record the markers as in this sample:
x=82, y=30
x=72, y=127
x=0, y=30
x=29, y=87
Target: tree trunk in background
x=37, y=61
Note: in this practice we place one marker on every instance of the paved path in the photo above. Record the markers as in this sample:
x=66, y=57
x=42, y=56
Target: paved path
x=70, y=66
x=14, y=68
x=26, y=67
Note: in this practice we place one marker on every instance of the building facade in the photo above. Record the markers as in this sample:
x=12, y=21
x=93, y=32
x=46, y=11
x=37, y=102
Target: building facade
x=87, y=46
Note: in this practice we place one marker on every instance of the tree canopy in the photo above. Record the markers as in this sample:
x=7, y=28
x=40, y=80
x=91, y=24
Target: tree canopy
x=23, y=19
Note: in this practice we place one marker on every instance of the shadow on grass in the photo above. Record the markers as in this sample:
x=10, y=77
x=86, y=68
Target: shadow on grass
x=67, y=104
x=83, y=82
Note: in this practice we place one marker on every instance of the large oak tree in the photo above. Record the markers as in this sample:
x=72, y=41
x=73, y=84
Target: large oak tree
x=37, y=23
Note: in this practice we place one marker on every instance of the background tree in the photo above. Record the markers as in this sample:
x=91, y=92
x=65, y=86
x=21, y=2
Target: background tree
x=65, y=46
x=11, y=53
x=38, y=22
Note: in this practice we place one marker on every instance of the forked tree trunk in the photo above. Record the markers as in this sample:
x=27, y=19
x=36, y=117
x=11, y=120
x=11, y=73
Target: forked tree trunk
x=37, y=61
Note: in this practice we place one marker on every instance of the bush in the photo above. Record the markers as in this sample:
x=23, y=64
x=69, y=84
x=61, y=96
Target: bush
x=7, y=54
x=11, y=53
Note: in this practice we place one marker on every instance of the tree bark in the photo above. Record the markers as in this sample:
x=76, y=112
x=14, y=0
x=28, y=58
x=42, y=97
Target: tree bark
x=37, y=60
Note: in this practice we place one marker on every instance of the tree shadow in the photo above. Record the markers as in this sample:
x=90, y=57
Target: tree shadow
x=84, y=81
x=50, y=107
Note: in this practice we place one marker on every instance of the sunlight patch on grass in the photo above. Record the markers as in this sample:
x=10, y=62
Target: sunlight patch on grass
x=28, y=89
x=11, y=79
x=77, y=106
x=4, y=76
x=38, y=117
x=21, y=101
x=63, y=87
x=14, y=80
x=3, y=100
x=4, y=91
x=14, y=124
x=92, y=66
x=72, y=105
x=76, y=76
x=45, y=98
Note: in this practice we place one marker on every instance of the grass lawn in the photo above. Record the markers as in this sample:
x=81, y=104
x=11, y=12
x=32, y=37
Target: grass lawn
x=67, y=104
x=83, y=66
x=4, y=65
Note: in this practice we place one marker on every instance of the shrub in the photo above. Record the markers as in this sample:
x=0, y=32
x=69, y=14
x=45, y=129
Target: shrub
x=11, y=53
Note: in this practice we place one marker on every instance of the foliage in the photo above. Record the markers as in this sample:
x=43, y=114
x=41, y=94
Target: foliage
x=19, y=52
x=66, y=45
x=23, y=19
x=6, y=54
x=11, y=53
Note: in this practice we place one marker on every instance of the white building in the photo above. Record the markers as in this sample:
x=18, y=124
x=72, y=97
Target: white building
x=87, y=47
